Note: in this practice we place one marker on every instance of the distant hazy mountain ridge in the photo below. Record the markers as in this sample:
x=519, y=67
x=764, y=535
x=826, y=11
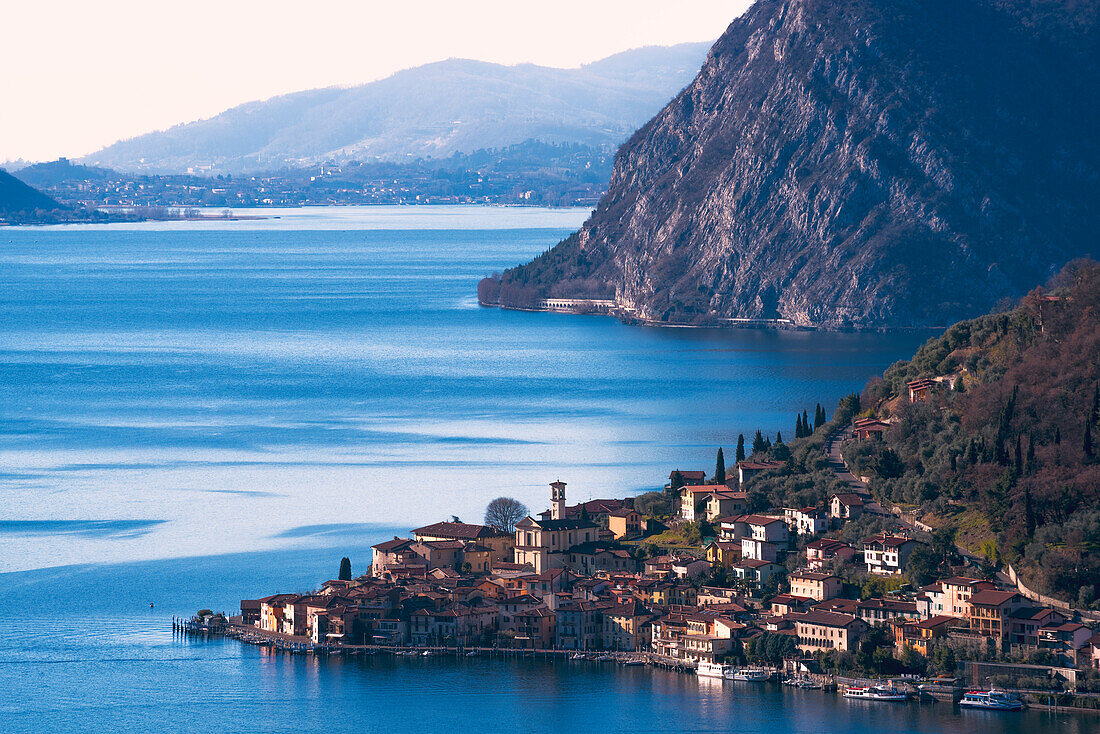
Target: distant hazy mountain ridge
x=433, y=110
x=853, y=163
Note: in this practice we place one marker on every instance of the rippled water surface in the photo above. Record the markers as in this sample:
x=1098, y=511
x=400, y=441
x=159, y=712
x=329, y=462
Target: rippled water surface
x=249, y=401
x=174, y=389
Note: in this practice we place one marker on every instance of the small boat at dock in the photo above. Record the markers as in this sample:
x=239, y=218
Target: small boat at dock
x=751, y=675
x=713, y=670
x=991, y=700
x=875, y=693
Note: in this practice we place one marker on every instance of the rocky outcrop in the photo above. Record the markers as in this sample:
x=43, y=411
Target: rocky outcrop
x=852, y=163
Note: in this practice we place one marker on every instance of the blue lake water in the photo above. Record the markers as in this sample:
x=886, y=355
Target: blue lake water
x=178, y=389
x=192, y=413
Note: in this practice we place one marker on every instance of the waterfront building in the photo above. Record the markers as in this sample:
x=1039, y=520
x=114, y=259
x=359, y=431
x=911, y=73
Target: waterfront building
x=534, y=628
x=579, y=625
x=626, y=626
x=824, y=631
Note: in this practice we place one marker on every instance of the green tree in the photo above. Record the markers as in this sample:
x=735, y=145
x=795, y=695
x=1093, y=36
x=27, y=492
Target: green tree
x=720, y=468
x=799, y=431
x=345, y=569
x=740, y=447
x=758, y=445
x=923, y=566
x=1090, y=453
x=889, y=465
x=676, y=481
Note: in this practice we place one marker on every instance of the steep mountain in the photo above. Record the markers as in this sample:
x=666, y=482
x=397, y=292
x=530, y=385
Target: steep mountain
x=432, y=110
x=852, y=163
x=16, y=196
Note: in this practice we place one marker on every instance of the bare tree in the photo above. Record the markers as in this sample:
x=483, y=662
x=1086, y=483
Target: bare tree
x=504, y=512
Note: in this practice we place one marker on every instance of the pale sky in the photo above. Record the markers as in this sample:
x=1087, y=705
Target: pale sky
x=76, y=75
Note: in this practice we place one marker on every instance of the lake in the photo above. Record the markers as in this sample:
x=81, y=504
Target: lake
x=192, y=388
x=196, y=412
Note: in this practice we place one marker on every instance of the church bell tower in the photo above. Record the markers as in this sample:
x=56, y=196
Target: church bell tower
x=557, y=500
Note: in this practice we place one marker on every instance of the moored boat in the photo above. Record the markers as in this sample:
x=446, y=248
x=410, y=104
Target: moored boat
x=713, y=670
x=875, y=693
x=991, y=700
x=752, y=675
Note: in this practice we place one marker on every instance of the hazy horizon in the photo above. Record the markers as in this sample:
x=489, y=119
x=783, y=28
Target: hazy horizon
x=133, y=69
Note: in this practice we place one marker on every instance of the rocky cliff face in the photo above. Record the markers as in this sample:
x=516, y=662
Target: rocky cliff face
x=853, y=163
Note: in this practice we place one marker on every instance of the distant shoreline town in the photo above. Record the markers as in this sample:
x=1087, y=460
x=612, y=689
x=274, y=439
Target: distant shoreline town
x=717, y=586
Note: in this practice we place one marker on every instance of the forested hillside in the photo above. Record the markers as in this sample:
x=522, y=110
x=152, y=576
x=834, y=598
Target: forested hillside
x=1009, y=457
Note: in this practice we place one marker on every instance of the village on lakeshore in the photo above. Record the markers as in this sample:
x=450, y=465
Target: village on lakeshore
x=699, y=577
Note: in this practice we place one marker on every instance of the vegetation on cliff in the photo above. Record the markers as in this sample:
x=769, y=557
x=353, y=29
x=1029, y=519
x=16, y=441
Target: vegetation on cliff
x=853, y=164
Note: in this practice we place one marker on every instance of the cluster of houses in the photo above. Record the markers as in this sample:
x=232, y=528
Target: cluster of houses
x=566, y=580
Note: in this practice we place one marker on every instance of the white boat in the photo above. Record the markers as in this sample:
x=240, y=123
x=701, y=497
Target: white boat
x=875, y=693
x=992, y=700
x=713, y=670
x=752, y=675
x=633, y=661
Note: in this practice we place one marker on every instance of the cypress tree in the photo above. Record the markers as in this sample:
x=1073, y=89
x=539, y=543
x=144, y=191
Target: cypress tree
x=798, y=430
x=720, y=468
x=778, y=438
x=345, y=569
x=819, y=417
x=805, y=424
x=1089, y=454
x=1031, y=454
x=740, y=447
x=1096, y=404
x=767, y=444
x=758, y=445
x=1029, y=513
x=1019, y=464
x=1057, y=435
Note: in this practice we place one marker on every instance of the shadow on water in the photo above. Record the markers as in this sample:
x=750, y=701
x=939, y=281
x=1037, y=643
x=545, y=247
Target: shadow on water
x=86, y=528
